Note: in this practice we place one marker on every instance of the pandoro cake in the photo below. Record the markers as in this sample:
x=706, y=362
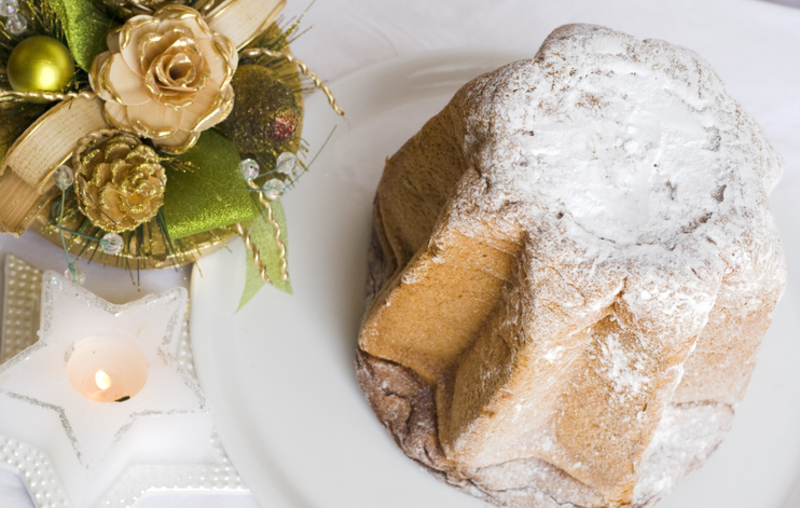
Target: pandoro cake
x=572, y=267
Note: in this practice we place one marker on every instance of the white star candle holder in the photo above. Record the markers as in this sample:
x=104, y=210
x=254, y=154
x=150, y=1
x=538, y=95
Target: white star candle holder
x=104, y=407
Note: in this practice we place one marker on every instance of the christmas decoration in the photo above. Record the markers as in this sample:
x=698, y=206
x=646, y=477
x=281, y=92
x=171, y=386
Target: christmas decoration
x=131, y=7
x=189, y=461
x=120, y=180
x=151, y=106
x=167, y=77
x=40, y=64
x=265, y=114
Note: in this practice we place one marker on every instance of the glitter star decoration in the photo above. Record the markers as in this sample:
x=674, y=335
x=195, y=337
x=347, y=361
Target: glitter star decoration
x=90, y=443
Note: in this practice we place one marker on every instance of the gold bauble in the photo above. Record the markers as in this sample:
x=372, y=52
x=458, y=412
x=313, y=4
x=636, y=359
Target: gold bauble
x=40, y=64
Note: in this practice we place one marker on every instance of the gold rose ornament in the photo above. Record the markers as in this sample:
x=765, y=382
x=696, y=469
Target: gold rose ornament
x=118, y=179
x=166, y=77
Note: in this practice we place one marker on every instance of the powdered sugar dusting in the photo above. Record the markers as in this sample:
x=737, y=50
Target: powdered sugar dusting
x=687, y=435
x=623, y=158
x=641, y=186
x=632, y=150
x=626, y=372
x=630, y=193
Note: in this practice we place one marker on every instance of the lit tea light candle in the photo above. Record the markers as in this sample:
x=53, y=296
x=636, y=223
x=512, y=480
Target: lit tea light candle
x=102, y=389
x=107, y=369
x=102, y=380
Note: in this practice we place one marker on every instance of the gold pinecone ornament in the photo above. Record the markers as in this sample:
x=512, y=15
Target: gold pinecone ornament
x=119, y=181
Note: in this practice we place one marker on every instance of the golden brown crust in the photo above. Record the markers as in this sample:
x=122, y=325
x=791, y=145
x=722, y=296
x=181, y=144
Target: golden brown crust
x=405, y=405
x=551, y=354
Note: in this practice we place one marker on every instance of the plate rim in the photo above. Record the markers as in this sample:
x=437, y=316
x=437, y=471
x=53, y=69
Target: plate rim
x=266, y=489
x=425, y=59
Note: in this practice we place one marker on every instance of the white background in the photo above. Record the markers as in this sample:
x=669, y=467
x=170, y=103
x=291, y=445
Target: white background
x=347, y=35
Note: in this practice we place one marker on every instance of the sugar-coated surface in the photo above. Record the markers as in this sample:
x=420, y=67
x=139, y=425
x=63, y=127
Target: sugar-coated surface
x=639, y=181
x=612, y=200
x=632, y=149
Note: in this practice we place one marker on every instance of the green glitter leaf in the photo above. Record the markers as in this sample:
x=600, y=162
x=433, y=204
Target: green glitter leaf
x=211, y=196
x=85, y=28
x=262, y=234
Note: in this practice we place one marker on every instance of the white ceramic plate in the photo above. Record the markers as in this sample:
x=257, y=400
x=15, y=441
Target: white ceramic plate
x=280, y=373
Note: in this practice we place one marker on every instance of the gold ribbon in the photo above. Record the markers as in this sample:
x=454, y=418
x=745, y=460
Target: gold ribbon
x=243, y=20
x=27, y=169
x=49, y=142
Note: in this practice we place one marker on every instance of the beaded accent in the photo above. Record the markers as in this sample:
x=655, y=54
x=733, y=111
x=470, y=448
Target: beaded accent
x=23, y=290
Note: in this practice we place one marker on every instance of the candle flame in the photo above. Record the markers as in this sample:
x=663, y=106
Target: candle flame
x=102, y=380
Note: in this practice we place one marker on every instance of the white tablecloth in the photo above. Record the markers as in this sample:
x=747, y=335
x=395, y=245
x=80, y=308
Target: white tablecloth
x=347, y=35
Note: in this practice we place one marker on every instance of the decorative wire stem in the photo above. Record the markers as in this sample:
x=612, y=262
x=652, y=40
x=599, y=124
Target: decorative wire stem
x=81, y=235
x=48, y=96
x=206, y=6
x=281, y=247
x=255, y=52
x=70, y=266
x=262, y=268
